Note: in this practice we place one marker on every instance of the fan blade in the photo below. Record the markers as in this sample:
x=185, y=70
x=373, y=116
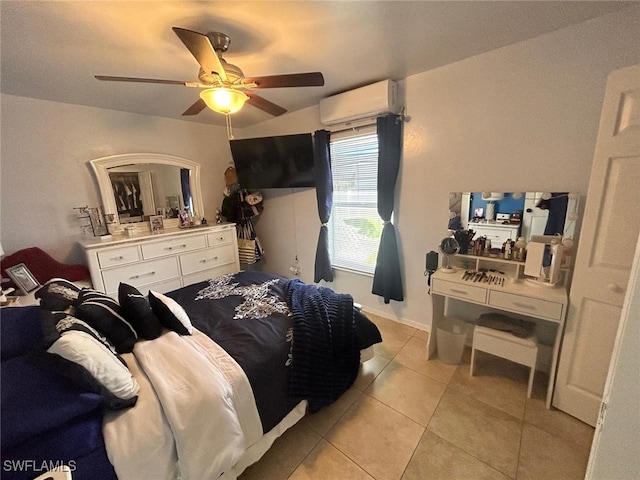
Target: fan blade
x=145, y=80
x=196, y=108
x=201, y=48
x=311, y=79
x=265, y=105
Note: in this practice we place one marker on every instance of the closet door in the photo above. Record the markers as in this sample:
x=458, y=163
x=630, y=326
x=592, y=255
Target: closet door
x=605, y=252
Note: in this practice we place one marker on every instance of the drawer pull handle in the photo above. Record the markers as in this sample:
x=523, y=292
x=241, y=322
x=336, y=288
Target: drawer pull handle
x=205, y=260
x=461, y=292
x=177, y=246
x=142, y=275
x=524, y=305
x=117, y=259
x=221, y=238
x=612, y=287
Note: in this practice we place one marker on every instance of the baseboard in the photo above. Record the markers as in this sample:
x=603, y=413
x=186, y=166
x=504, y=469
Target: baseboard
x=403, y=321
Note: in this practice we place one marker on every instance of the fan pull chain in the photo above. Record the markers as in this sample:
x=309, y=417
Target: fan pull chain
x=228, y=122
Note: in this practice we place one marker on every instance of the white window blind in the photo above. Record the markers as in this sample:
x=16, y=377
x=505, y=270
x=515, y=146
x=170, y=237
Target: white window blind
x=355, y=226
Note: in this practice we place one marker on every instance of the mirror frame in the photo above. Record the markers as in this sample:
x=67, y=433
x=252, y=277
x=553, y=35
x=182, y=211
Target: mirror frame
x=571, y=225
x=101, y=168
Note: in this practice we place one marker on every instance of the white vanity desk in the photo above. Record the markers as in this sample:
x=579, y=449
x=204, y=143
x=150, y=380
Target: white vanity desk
x=547, y=306
x=162, y=261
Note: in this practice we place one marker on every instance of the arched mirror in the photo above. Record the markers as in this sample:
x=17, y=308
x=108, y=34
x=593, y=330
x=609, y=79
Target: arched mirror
x=135, y=186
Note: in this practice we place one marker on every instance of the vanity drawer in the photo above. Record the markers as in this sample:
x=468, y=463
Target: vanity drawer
x=534, y=307
x=465, y=292
x=118, y=256
x=221, y=238
x=143, y=273
x=173, y=246
x=206, y=259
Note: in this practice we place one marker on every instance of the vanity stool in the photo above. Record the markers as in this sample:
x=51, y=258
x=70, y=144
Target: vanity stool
x=505, y=345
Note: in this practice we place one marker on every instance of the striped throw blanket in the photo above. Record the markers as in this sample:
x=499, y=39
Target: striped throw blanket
x=325, y=351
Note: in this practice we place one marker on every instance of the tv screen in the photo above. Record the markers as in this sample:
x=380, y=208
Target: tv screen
x=284, y=161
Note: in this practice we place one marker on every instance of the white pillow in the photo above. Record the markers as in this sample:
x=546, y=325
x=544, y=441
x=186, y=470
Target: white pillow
x=85, y=350
x=170, y=313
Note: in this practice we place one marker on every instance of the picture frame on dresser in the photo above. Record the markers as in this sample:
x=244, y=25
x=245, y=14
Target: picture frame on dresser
x=156, y=223
x=23, y=278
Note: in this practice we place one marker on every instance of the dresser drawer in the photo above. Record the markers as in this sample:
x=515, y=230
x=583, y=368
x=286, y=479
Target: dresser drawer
x=498, y=234
x=163, y=287
x=143, y=273
x=221, y=238
x=465, y=292
x=118, y=256
x=206, y=259
x=534, y=307
x=173, y=246
x=209, y=274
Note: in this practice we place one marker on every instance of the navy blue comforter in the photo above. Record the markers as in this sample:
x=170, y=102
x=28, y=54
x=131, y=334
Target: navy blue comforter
x=250, y=315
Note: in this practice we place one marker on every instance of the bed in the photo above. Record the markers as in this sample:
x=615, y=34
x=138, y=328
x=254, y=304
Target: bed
x=215, y=372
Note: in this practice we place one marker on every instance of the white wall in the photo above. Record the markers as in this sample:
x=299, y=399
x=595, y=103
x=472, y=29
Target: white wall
x=521, y=118
x=45, y=148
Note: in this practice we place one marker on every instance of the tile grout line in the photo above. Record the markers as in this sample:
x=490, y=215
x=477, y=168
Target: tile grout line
x=364, y=392
x=459, y=447
x=307, y=455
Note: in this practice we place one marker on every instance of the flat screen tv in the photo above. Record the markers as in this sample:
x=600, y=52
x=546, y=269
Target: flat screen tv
x=284, y=161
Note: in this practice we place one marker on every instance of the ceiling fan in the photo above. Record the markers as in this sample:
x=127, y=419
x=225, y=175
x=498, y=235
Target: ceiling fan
x=225, y=88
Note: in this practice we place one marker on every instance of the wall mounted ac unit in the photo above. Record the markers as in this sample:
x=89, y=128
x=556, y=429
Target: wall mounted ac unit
x=364, y=102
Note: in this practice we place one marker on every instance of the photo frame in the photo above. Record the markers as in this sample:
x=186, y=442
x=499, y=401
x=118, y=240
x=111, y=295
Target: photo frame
x=23, y=278
x=127, y=192
x=157, y=223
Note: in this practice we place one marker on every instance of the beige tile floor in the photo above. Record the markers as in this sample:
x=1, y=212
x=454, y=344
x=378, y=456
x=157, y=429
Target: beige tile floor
x=407, y=418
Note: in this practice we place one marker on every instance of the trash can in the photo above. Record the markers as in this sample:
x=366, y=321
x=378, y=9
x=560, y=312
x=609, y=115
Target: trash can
x=450, y=338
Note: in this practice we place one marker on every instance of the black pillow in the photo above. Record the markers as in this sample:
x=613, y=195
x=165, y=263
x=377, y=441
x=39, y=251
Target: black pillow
x=58, y=294
x=86, y=358
x=137, y=310
x=105, y=315
x=170, y=313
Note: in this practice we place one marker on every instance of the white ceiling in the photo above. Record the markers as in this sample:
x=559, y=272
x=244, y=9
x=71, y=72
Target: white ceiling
x=52, y=49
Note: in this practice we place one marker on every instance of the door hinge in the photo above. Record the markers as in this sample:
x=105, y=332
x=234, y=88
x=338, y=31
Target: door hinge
x=603, y=410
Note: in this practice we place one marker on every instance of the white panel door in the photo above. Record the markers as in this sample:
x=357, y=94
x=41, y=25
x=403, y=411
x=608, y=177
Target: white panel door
x=534, y=220
x=605, y=252
x=619, y=420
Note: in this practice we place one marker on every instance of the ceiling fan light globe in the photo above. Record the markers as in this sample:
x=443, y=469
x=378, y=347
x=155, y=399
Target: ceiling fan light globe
x=224, y=100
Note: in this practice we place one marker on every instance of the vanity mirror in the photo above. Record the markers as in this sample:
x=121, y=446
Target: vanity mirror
x=135, y=186
x=448, y=246
x=501, y=215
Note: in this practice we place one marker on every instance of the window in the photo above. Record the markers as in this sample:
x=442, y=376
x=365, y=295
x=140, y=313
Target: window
x=354, y=233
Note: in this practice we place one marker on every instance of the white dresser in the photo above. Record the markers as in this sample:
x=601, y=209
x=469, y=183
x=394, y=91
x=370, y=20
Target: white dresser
x=498, y=233
x=162, y=262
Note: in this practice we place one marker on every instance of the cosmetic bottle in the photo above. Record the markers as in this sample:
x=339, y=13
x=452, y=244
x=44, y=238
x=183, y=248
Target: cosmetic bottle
x=520, y=250
x=507, y=249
